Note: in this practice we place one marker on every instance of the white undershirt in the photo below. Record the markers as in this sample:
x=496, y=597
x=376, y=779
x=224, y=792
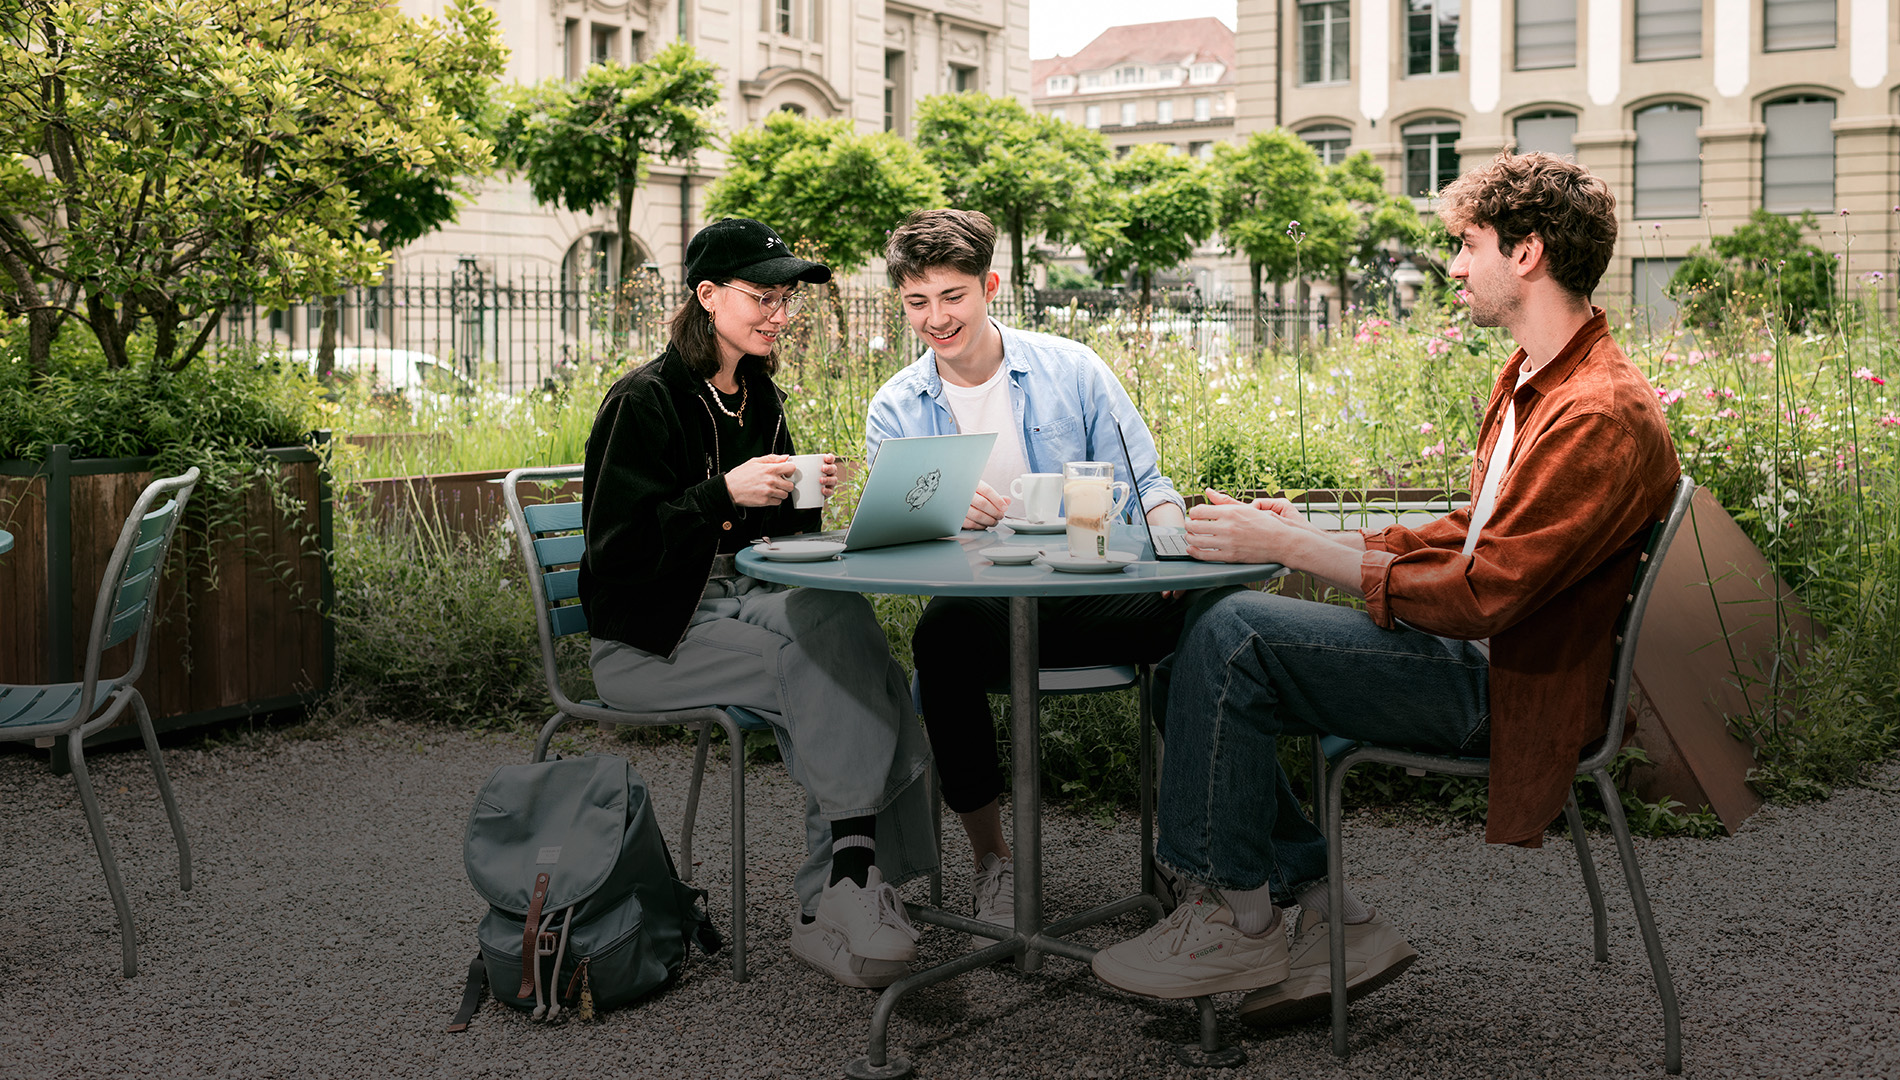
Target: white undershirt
x=1494, y=477
x=987, y=408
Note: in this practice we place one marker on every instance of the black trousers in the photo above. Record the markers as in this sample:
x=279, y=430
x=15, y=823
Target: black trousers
x=961, y=647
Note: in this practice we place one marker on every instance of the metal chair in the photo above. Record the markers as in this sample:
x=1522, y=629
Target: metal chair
x=1330, y=777
x=1061, y=682
x=128, y=595
x=551, y=545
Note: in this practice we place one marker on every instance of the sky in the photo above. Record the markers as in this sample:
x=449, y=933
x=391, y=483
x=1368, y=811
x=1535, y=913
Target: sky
x=1063, y=27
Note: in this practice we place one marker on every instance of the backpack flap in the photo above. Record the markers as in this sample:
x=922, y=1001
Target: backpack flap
x=562, y=819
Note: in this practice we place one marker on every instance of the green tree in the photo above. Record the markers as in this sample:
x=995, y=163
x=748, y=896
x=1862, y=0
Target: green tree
x=1762, y=262
x=1032, y=174
x=826, y=189
x=1157, y=209
x=1374, y=217
x=587, y=144
x=1275, y=206
x=159, y=161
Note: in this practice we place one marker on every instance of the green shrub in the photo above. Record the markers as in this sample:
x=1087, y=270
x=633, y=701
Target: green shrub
x=1761, y=265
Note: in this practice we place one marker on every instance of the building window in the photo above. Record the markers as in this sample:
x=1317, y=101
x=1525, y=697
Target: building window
x=605, y=44
x=1431, y=156
x=782, y=16
x=1091, y=82
x=1546, y=34
x=1061, y=84
x=962, y=79
x=894, y=91
x=1164, y=111
x=1797, y=155
x=1129, y=118
x=572, y=64
x=1127, y=76
x=1668, y=162
x=1092, y=117
x=1668, y=29
x=1208, y=72
x=1332, y=144
x=1202, y=150
x=1203, y=109
x=1325, y=40
x=1431, y=35
x=1548, y=133
x=1797, y=24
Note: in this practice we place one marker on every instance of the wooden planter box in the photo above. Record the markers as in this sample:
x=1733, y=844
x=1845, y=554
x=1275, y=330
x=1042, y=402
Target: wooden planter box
x=243, y=625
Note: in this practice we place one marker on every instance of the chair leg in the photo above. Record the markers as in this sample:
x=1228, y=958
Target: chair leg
x=1659, y=965
x=150, y=736
x=737, y=739
x=1336, y=895
x=692, y=801
x=128, y=945
x=547, y=736
x=1598, y=918
x=1147, y=742
x=1319, y=783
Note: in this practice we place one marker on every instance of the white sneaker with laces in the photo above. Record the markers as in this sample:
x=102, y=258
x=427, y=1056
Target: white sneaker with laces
x=871, y=918
x=994, y=892
x=1195, y=951
x=825, y=949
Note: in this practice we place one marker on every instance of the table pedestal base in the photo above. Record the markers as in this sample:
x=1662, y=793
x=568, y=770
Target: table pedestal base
x=1209, y=1053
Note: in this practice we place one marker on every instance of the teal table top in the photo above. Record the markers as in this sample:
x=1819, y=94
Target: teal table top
x=6, y=541
x=954, y=567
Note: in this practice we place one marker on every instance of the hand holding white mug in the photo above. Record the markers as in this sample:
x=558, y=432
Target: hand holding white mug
x=762, y=481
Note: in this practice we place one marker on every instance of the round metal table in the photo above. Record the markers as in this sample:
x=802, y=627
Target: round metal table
x=954, y=567
x=6, y=541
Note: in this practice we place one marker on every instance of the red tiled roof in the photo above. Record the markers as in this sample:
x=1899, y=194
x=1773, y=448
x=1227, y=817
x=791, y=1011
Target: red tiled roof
x=1179, y=41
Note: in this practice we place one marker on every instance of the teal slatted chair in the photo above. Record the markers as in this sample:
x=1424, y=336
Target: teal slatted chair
x=1334, y=757
x=551, y=544
x=127, y=600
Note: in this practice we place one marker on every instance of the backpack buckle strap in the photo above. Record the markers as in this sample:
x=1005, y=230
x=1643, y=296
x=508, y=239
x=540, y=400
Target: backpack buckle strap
x=529, y=963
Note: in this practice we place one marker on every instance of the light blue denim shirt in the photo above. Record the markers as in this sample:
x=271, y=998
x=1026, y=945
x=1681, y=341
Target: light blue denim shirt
x=1065, y=399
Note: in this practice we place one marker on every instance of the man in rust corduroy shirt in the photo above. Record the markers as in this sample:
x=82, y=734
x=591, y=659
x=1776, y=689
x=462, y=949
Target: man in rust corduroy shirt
x=1486, y=632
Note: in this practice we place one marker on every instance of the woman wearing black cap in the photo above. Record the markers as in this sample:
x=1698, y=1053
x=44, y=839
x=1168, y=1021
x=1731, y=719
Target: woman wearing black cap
x=688, y=461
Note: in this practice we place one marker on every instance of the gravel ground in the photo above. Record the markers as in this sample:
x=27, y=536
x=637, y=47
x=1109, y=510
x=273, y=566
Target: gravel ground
x=331, y=926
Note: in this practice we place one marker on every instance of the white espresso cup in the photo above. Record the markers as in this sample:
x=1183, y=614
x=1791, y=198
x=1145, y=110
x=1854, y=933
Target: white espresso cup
x=1038, y=496
x=1091, y=499
x=808, y=480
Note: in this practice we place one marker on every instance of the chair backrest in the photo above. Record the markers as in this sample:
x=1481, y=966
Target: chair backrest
x=551, y=541
x=128, y=592
x=1630, y=622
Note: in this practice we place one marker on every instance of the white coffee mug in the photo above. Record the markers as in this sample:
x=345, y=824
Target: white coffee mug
x=808, y=480
x=1038, y=496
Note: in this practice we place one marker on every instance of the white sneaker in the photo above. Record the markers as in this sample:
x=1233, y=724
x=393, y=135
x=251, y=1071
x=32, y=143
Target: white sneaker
x=1375, y=955
x=994, y=889
x=1195, y=951
x=871, y=918
x=825, y=949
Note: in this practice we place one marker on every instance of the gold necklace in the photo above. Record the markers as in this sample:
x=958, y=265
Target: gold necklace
x=721, y=405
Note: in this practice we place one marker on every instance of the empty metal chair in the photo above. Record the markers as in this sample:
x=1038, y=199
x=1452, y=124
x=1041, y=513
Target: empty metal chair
x=551, y=544
x=128, y=598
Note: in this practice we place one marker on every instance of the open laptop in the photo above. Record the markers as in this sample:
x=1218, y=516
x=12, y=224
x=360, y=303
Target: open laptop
x=919, y=489
x=1168, y=545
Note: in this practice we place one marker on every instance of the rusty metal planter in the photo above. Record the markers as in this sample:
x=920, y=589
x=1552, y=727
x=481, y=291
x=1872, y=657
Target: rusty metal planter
x=243, y=623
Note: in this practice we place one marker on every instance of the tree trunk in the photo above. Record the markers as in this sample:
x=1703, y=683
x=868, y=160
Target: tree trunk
x=101, y=316
x=326, y=338
x=1017, y=280
x=836, y=296
x=623, y=221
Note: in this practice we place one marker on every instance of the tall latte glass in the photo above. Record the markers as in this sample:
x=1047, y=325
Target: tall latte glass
x=1091, y=498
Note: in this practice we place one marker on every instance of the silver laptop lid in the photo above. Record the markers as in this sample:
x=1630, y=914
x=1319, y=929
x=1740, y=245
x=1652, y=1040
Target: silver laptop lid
x=919, y=489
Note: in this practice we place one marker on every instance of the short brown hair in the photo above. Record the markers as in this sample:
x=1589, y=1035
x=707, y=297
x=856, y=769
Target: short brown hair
x=1573, y=212
x=963, y=240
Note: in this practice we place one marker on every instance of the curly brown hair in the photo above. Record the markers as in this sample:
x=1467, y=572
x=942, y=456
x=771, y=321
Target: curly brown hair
x=1571, y=210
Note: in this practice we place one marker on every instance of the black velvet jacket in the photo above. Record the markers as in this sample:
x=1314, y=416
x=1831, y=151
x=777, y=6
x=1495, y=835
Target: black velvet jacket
x=655, y=504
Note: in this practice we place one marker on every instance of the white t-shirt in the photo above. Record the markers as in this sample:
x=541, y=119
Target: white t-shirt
x=987, y=408
x=1494, y=477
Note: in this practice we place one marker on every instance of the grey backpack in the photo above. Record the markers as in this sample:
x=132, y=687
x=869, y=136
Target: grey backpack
x=580, y=884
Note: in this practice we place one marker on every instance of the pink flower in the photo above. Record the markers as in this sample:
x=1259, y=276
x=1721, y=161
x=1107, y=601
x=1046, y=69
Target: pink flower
x=1435, y=450
x=1669, y=358
x=1696, y=356
x=1426, y=428
x=1464, y=296
x=1435, y=347
x=1454, y=333
x=1667, y=396
x=1727, y=414
x=1868, y=374
x=1763, y=358
x=1890, y=420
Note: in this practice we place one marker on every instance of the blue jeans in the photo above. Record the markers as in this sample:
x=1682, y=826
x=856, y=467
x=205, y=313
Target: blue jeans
x=1254, y=666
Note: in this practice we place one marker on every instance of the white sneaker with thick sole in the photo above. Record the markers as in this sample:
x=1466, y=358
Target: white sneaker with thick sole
x=994, y=892
x=826, y=950
x=1195, y=951
x=871, y=917
x=1375, y=955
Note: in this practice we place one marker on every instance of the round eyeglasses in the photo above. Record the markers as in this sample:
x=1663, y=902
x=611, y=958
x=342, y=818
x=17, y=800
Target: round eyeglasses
x=787, y=302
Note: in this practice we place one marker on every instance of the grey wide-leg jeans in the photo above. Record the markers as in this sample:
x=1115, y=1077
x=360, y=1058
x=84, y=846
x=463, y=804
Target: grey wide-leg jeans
x=816, y=666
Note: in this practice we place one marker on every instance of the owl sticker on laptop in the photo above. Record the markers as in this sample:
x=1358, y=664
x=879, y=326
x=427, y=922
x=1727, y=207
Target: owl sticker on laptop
x=926, y=487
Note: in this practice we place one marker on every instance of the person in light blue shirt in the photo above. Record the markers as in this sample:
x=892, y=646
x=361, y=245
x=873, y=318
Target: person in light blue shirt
x=1051, y=401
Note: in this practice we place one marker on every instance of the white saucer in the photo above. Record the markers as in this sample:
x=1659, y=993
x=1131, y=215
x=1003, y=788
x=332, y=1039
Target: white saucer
x=800, y=550
x=1062, y=560
x=1021, y=526
x=1011, y=555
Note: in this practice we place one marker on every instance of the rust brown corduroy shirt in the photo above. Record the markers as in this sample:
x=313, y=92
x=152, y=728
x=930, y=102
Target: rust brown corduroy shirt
x=1592, y=468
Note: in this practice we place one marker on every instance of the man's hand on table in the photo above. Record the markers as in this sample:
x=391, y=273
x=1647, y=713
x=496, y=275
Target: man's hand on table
x=986, y=508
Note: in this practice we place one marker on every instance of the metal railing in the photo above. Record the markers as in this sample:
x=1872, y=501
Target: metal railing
x=520, y=329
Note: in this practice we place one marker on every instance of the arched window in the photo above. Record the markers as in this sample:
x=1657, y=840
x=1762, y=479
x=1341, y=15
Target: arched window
x=1331, y=143
x=1548, y=132
x=1668, y=162
x=1431, y=156
x=1797, y=155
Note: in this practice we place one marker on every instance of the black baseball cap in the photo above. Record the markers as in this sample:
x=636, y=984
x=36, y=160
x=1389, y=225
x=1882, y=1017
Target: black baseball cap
x=743, y=248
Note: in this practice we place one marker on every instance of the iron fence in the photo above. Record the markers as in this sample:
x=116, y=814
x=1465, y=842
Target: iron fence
x=521, y=329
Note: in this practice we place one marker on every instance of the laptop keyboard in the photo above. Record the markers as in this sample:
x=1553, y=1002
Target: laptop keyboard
x=1170, y=543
